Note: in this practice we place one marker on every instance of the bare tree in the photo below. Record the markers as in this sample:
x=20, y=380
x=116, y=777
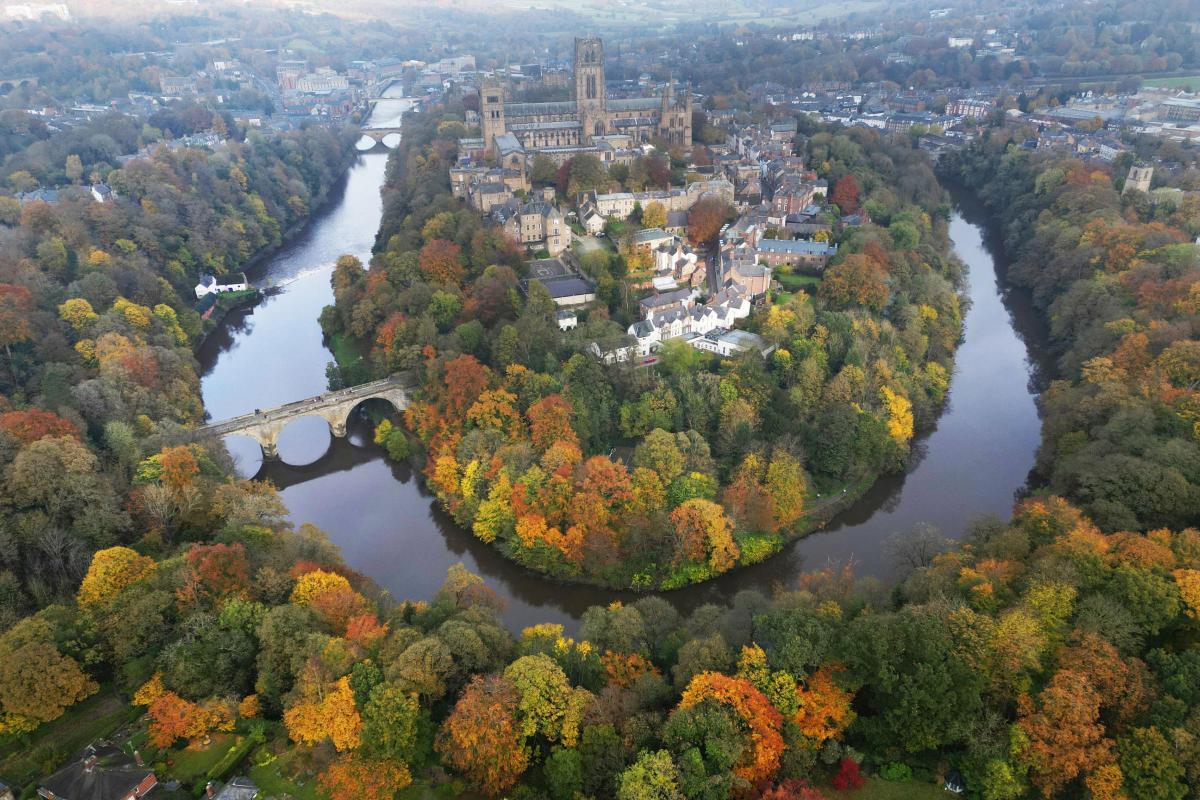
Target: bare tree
x=916, y=548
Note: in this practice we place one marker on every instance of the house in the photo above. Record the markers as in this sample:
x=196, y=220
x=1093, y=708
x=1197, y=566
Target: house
x=726, y=343
x=103, y=193
x=618, y=350
x=650, y=238
x=592, y=220
x=795, y=253
x=210, y=285
x=537, y=225
x=103, y=773
x=567, y=321
x=38, y=195
x=240, y=788
x=663, y=301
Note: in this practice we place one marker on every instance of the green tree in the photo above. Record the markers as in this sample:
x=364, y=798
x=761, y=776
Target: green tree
x=1151, y=769
x=652, y=777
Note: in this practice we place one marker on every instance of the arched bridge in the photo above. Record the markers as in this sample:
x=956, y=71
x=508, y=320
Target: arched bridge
x=265, y=425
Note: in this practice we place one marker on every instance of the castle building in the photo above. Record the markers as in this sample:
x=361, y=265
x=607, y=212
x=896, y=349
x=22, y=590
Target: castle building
x=589, y=122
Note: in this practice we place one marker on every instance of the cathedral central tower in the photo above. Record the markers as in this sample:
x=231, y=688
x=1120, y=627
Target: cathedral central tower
x=589, y=86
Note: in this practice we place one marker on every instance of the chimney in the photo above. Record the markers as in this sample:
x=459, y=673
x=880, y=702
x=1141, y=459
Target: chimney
x=137, y=758
x=210, y=790
x=90, y=763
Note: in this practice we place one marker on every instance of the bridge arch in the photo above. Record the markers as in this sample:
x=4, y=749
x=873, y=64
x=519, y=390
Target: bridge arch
x=265, y=426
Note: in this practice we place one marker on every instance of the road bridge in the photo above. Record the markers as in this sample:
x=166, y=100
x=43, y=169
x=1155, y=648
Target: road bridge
x=265, y=425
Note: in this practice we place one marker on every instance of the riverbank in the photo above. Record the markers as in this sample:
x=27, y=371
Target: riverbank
x=255, y=264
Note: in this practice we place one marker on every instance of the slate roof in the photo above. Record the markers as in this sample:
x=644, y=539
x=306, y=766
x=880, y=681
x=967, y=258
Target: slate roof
x=113, y=777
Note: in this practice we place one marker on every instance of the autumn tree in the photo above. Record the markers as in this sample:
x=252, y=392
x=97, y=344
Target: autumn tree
x=654, y=215
x=111, y=571
x=37, y=684
x=333, y=716
x=441, y=262
x=1066, y=737
x=703, y=533
x=31, y=424
x=482, y=738
x=352, y=777
x=845, y=194
x=173, y=718
x=706, y=218
x=858, y=280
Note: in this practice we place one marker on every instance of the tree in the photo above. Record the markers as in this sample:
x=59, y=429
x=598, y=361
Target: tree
x=16, y=303
x=482, y=739
x=659, y=452
x=1151, y=770
x=550, y=422
x=848, y=777
x=786, y=487
x=334, y=717
x=78, y=313
x=355, y=778
x=440, y=262
x=173, y=718
x=32, y=424
x=858, y=280
x=37, y=684
x=110, y=573
x=703, y=533
x=845, y=194
x=652, y=777
x=654, y=215
x=706, y=218
x=73, y=168
x=547, y=704
x=391, y=725
x=756, y=712
x=1066, y=737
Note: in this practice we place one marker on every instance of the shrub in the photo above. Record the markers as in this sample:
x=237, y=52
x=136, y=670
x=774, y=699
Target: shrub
x=896, y=771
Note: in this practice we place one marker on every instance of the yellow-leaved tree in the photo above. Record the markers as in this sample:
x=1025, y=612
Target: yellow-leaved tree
x=111, y=571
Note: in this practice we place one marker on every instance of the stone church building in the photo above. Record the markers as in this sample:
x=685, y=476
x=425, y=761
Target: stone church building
x=591, y=122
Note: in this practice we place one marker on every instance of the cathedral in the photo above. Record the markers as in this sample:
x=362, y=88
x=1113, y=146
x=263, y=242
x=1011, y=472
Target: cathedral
x=562, y=129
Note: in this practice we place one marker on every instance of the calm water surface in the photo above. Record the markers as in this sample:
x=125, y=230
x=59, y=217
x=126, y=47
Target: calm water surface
x=975, y=462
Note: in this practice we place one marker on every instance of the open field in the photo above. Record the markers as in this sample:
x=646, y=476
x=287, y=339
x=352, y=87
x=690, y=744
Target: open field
x=1190, y=83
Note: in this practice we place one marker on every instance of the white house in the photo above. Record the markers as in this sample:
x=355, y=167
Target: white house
x=210, y=285
x=683, y=319
x=726, y=343
x=566, y=320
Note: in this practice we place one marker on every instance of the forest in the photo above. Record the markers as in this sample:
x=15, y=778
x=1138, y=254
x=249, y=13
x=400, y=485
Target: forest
x=97, y=323
x=727, y=458
x=1116, y=275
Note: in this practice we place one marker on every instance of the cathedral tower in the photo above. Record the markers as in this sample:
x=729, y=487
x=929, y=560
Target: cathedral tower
x=589, y=87
x=1139, y=178
x=491, y=111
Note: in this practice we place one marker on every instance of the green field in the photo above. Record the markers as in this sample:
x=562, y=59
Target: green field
x=794, y=283
x=1190, y=83
x=878, y=789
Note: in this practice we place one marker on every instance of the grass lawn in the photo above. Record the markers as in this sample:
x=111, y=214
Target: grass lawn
x=188, y=765
x=344, y=350
x=1189, y=83
x=794, y=283
x=275, y=779
x=877, y=788
x=53, y=744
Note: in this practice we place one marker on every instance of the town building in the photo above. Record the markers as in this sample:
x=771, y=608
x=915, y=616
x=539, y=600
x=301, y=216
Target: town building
x=210, y=285
x=535, y=225
x=567, y=287
x=591, y=115
x=795, y=253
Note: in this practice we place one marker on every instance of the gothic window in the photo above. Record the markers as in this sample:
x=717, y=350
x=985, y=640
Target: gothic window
x=591, y=87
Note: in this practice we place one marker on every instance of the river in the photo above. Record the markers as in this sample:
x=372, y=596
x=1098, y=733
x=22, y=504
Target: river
x=974, y=462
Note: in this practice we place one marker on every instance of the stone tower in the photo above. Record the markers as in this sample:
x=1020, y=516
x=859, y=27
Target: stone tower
x=589, y=87
x=491, y=111
x=1139, y=178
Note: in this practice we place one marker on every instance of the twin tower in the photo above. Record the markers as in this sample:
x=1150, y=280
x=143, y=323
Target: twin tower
x=556, y=126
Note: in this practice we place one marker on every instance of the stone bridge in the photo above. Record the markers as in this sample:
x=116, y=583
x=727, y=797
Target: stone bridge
x=388, y=137
x=265, y=425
